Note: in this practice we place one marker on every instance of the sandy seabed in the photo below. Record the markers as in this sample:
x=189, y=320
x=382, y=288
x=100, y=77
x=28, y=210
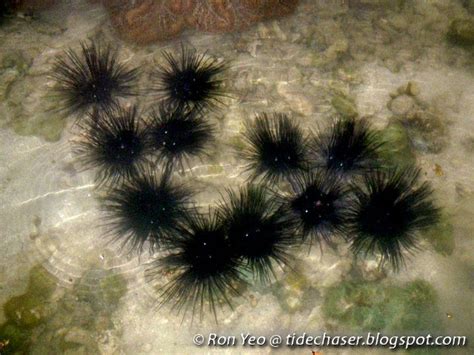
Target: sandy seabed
x=382, y=60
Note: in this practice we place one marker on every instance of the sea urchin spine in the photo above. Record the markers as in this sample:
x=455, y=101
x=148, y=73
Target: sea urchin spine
x=114, y=142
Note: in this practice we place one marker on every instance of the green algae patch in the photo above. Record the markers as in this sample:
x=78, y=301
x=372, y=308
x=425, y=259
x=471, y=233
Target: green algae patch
x=215, y=169
x=14, y=339
x=372, y=306
x=397, y=150
x=31, y=308
x=294, y=292
x=237, y=143
x=461, y=32
x=48, y=128
x=25, y=310
x=113, y=288
x=441, y=236
x=41, y=283
x=16, y=60
x=43, y=321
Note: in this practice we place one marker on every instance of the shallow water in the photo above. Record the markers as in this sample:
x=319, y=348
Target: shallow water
x=378, y=59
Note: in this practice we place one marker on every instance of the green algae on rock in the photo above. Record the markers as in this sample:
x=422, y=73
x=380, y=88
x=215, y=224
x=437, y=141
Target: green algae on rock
x=27, y=311
x=461, y=32
x=48, y=128
x=441, y=236
x=397, y=149
x=374, y=306
x=294, y=292
x=44, y=321
x=15, y=340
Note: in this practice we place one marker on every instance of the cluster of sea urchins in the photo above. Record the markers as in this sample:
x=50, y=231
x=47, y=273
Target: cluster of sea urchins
x=339, y=185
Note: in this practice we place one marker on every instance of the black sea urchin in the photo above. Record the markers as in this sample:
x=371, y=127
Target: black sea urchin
x=259, y=230
x=202, y=265
x=92, y=78
x=349, y=147
x=192, y=80
x=389, y=208
x=114, y=142
x=276, y=148
x=147, y=208
x=319, y=206
x=178, y=133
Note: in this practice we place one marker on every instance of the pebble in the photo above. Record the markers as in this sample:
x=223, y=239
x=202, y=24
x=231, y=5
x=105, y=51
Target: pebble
x=146, y=348
x=413, y=89
x=401, y=105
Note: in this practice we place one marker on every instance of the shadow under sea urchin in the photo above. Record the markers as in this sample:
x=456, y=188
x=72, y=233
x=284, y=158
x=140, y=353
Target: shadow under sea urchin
x=149, y=208
x=92, y=79
x=114, y=142
x=389, y=208
x=202, y=266
x=349, y=147
x=191, y=80
x=6, y=10
x=176, y=134
x=259, y=230
x=275, y=148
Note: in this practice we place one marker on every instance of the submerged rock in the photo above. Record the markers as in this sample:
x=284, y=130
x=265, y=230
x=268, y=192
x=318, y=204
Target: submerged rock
x=401, y=105
x=397, y=150
x=426, y=127
x=461, y=32
x=147, y=21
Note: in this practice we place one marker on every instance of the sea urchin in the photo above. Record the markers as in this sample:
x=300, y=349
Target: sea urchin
x=177, y=133
x=276, y=148
x=349, y=147
x=147, y=208
x=92, y=78
x=259, y=230
x=319, y=206
x=390, y=207
x=202, y=266
x=113, y=141
x=191, y=80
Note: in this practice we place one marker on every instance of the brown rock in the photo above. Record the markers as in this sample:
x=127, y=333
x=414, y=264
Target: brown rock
x=213, y=16
x=33, y=5
x=146, y=21
x=279, y=8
